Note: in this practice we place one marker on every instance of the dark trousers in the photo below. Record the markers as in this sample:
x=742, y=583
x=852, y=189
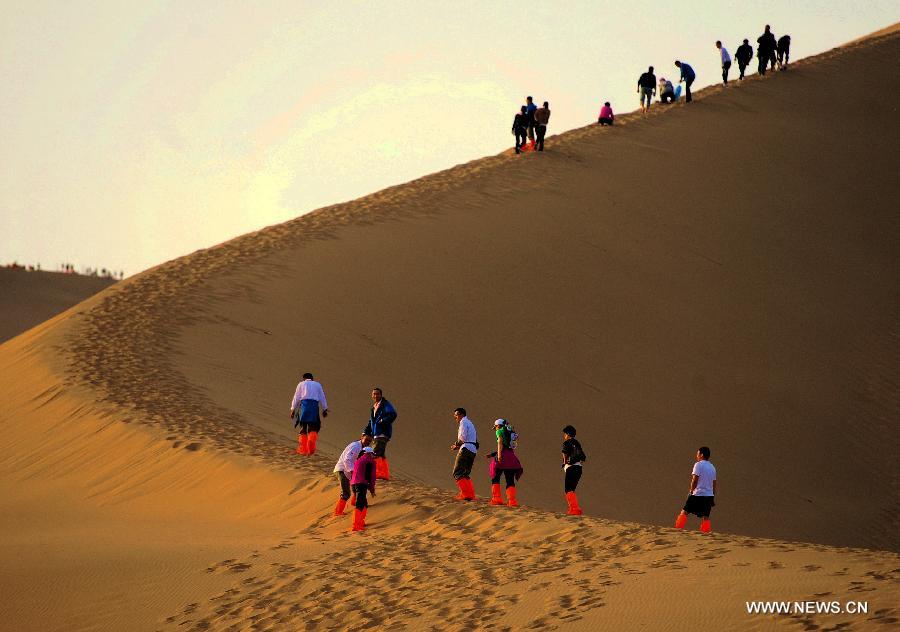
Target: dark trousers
x=541, y=130
x=605, y=121
x=667, y=97
x=345, y=485
x=306, y=428
x=510, y=476
x=687, y=90
x=360, y=490
x=462, y=466
x=763, y=59
x=742, y=68
x=725, y=68
x=379, y=444
x=520, y=138
x=573, y=475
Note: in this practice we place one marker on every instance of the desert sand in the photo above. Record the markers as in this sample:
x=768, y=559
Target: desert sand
x=720, y=274
x=28, y=298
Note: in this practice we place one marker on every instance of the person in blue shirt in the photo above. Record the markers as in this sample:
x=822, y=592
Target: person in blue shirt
x=687, y=76
x=530, y=109
x=380, y=426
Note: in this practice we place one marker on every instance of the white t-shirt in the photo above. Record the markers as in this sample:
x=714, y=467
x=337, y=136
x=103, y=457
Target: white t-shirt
x=725, y=56
x=348, y=458
x=309, y=389
x=706, y=474
x=465, y=434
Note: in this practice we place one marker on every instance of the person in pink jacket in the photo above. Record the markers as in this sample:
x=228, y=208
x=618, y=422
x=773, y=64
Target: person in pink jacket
x=606, y=115
x=362, y=481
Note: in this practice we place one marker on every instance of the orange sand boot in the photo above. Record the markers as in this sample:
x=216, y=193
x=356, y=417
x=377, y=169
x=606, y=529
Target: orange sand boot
x=574, y=509
x=469, y=489
x=358, y=521
x=302, y=444
x=364, y=512
x=382, y=471
x=353, y=500
x=462, y=490
x=311, y=442
x=511, y=497
x=496, y=499
x=339, y=508
x=705, y=525
x=681, y=520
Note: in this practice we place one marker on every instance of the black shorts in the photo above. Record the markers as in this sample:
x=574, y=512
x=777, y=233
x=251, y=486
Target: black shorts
x=379, y=444
x=306, y=428
x=573, y=475
x=699, y=505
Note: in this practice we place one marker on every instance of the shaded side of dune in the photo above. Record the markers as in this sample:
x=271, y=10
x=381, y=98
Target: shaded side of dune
x=723, y=273
x=28, y=298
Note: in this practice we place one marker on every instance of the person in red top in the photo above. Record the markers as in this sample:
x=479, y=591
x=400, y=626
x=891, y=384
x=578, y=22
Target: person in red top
x=606, y=116
x=362, y=481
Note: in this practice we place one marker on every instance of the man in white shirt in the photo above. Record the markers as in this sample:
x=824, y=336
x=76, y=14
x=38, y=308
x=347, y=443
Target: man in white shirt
x=343, y=470
x=466, y=447
x=702, y=496
x=726, y=62
x=308, y=396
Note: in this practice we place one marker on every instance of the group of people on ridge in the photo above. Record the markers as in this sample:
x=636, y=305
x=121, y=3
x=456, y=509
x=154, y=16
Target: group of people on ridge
x=364, y=461
x=530, y=126
x=769, y=51
x=531, y=121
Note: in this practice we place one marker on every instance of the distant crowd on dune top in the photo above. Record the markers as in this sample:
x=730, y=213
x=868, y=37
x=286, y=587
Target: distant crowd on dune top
x=364, y=461
x=68, y=268
x=530, y=122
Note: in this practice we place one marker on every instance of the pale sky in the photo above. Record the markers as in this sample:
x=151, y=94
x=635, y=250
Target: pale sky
x=133, y=133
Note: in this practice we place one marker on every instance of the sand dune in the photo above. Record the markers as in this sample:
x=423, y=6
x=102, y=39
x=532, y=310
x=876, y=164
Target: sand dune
x=30, y=298
x=723, y=273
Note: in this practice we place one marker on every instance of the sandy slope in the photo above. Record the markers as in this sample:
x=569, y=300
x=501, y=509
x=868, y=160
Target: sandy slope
x=30, y=298
x=146, y=480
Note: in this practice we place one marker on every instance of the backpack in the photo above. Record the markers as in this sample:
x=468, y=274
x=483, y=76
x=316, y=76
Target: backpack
x=510, y=437
x=578, y=455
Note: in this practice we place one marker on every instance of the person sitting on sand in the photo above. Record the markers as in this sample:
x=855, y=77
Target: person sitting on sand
x=647, y=88
x=362, y=481
x=743, y=55
x=520, y=128
x=541, y=118
x=666, y=91
x=466, y=447
x=687, y=76
x=504, y=463
x=380, y=426
x=308, y=396
x=343, y=470
x=606, y=116
x=702, y=496
x=573, y=461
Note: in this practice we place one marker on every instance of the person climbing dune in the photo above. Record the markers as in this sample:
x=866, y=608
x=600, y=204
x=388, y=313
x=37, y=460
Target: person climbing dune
x=308, y=397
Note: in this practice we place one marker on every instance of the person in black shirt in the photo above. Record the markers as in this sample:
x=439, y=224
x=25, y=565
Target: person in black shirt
x=573, y=458
x=743, y=55
x=765, y=52
x=520, y=128
x=784, y=51
x=647, y=88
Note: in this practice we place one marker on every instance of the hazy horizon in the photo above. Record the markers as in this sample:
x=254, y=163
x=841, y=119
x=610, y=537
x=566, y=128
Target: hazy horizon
x=135, y=134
